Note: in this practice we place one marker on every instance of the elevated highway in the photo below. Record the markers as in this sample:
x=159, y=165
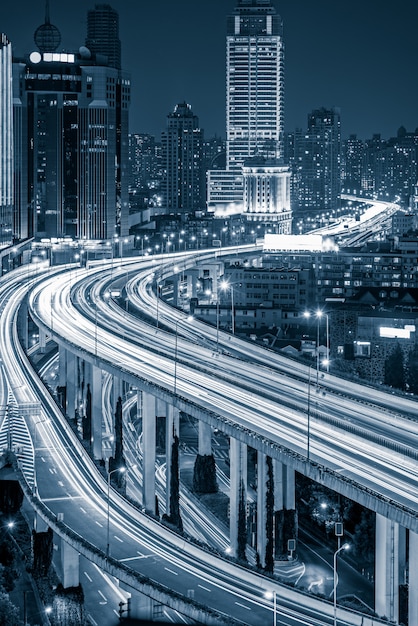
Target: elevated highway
x=265, y=410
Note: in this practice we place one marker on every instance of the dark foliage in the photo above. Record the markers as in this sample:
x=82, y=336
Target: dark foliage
x=87, y=417
x=269, y=560
x=68, y=606
x=204, y=474
x=395, y=369
x=42, y=549
x=242, y=524
x=11, y=497
x=175, y=518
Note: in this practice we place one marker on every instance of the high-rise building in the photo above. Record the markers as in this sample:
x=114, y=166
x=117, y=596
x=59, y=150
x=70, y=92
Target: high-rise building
x=317, y=163
x=6, y=142
x=103, y=34
x=254, y=120
x=182, y=144
x=254, y=82
x=71, y=142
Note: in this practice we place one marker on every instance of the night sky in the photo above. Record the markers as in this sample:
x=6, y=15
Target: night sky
x=358, y=55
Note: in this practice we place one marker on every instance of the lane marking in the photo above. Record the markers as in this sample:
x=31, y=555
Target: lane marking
x=205, y=588
x=88, y=577
x=171, y=571
x=243, y=606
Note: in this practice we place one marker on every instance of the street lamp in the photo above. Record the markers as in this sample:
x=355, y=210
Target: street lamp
x=345, y=546
x=225, y=286
x=319, y=314
x=309, y=413
x=272, y=595
x=117, y=469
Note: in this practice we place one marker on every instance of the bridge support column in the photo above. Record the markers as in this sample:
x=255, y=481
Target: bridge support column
x=205, y=439
x=261, y=507
x=71, y=383
x=117, y=391
x=413, y=580
x=96, y=412
x=284, y=507
x=387, y=568
x=238, y=489
x=148, y=442
x=42, y=340
x=192, y=278
x=70, y=563
x=172, y=428
x=62, y=368
x=175, y=289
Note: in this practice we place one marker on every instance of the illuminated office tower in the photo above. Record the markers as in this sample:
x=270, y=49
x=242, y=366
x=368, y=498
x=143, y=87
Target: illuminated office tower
x=6, y=142
x=71, y=142
x=103, y=33
x=182, y=144
x=254, y=83
x=254, y=115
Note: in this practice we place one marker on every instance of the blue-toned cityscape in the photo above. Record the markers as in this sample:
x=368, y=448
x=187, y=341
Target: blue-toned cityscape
x=208, y=345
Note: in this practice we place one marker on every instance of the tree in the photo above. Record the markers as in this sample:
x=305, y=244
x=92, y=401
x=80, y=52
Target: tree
x=412, y=370
x=395, y=368
x=9, y=613
x=204, y=474
x=175, y=517
x=242, y=524
x=269, y=561
x=118, y=432
x=87, y=417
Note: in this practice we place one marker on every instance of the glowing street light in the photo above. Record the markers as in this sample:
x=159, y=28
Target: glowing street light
x=272, y=595
x=226, y=286
x=345, y=546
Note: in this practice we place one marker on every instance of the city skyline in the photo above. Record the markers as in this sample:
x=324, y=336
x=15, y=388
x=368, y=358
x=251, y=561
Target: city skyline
x=365, y=68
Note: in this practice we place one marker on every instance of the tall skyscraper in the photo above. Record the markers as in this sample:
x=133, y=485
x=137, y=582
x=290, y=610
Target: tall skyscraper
x=255, y=182
x=254, y=82
x=103, y=34
x=6, y=142
x=182, y=145
x=317, y=163
x=71, y=142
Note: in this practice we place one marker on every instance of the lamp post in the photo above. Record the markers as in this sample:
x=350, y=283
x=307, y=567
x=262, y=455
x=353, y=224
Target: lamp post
x=345, y=546
x=225, y=286
x=319, y=314
x=118, y=469
x=272, y=595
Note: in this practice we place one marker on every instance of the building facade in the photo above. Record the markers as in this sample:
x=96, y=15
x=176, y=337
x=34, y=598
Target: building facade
x=6, y=143
x=103, y=34
x=182, y=145
x=71, y=144
x=317, y=163
x=254, y=83
x=254, y=102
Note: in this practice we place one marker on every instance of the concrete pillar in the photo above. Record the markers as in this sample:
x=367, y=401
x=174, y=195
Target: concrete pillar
x=172, y=427
x=71, y=369
x=139, y=404
x=175, y=289
x=205, y=439
x=96, y=412
x=238, y=478
x=387, y=568
x=117, y=391
x=261, y=506
x=148, y=443
x=192, y=278
x=62, y=360
x=413, y=580
x=40, y=526
x=284, y=487
x=70, y=563
x=42, y=340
